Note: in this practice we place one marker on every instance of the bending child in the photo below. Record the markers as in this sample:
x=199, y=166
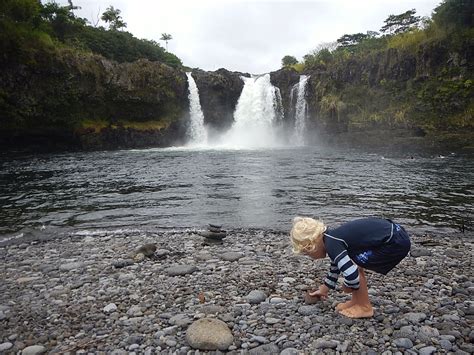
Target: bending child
x=371, y=243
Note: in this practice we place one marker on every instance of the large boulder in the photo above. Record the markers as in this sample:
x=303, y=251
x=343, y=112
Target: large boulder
x=209, y=334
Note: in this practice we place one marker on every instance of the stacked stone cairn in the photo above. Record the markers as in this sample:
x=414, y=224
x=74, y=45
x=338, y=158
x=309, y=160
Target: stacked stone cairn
x=214, y=234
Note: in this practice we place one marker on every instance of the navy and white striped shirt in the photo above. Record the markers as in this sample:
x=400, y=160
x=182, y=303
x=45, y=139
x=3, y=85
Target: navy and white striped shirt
x=354, y=237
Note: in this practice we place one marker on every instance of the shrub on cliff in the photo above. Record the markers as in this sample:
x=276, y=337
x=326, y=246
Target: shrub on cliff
x=412, y=77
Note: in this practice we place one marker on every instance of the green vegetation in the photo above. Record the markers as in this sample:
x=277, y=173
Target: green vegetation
x=417, y=74
x=31, y=31
x=288, y=60
x=54, y=75
x=112, y=16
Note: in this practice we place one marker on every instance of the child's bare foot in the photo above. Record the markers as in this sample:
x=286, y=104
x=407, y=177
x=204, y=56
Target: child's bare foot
x=358, y=311
x=344, y=305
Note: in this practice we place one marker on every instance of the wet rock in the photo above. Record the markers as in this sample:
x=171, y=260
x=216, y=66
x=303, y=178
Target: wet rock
x=427, y=333
x=209, y=334
x=33, y=350
x=419, y=251
x=403, y=343
x=265, y=349
x=71, y=266
x=271, y=320
x=415, y=317
x=180, y=270
x=231, y=256
x=308, y=310
x=162, y=253
x=121, y=263
x=325, y=344
x=446, y=344
x=427, y=350
x=405, y=332
x=180, y=320
x=471, y=336
x=256, y=296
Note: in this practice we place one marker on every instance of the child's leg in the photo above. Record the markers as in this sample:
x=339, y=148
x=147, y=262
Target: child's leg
x=359, y=306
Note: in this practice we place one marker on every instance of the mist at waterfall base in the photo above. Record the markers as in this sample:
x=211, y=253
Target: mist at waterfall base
x=258, y=118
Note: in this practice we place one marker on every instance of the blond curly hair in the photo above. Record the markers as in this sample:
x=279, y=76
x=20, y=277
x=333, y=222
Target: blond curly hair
x=306, y=233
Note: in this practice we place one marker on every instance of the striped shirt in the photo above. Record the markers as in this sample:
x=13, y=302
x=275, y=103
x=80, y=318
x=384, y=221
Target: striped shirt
x=344, y=242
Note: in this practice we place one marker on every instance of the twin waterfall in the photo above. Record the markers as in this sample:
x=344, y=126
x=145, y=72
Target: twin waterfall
x=258, y=116
x=197, y=133
x=301, y=109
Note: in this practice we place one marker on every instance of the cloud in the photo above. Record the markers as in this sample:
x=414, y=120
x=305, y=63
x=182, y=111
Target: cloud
x=250, y=36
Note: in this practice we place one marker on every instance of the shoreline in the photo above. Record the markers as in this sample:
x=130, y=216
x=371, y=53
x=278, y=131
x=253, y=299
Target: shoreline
x=86, y=294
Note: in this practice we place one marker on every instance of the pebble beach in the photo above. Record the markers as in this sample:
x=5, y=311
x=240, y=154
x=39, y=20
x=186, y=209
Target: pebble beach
x=101, y=293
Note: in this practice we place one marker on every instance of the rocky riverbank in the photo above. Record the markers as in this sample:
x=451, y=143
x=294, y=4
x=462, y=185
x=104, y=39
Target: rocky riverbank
x=91, y=293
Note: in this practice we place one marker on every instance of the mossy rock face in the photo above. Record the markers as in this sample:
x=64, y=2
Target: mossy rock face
x=429, y=87
x=69, y=88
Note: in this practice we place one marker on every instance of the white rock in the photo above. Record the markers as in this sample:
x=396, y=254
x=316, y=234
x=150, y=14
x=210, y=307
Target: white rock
x=5, y=346
x=111, y=307
x=33, y=350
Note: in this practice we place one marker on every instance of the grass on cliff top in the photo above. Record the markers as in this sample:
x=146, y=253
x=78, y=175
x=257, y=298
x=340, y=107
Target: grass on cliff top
x=98, y=125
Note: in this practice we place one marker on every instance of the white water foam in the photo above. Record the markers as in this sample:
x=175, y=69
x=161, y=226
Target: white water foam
x=256, y=116
x=197, y=133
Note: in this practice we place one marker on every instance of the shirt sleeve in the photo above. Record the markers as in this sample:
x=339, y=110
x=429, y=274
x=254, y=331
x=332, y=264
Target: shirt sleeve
x=332, y=275
x=340, y=263
x=349, y=270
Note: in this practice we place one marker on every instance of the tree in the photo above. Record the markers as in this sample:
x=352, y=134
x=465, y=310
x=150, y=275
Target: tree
x=112, y=16
x=166, y=37
x=288, y=60
x=352, y=40
x=395, y=24
x=454, y=14
x=62, y=19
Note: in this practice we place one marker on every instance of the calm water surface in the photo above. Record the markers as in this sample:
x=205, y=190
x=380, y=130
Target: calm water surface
x=172, y=188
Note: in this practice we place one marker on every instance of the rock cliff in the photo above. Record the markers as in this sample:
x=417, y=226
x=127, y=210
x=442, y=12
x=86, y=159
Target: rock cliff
x=219, y=92
x=83, y=101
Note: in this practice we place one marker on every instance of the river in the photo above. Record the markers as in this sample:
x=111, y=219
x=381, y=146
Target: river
x=188, y=188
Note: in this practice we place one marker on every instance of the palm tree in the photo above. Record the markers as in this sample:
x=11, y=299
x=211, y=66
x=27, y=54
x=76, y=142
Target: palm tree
x=166, y=37
x=333, y=105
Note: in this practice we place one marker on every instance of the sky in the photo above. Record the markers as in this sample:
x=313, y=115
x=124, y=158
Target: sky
x=249, y=36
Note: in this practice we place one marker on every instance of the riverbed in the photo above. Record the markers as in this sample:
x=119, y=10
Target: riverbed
x=90, y=293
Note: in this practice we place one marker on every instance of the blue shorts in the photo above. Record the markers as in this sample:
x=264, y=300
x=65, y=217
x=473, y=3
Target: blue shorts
x=385, y=257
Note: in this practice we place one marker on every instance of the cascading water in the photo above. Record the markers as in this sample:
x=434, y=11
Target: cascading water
x=196, y=131
x=256, y=115
x=300, y=110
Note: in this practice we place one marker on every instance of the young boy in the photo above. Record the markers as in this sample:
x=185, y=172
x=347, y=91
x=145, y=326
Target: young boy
x=370, y=243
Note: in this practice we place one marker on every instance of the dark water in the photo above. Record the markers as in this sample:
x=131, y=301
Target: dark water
x=190, y=188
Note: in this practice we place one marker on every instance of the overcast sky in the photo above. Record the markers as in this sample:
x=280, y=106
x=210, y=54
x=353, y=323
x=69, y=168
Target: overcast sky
x=249, y=36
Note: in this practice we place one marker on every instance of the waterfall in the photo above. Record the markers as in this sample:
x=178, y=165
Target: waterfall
x=257, y=111
x=300, y=109
x=196, y=131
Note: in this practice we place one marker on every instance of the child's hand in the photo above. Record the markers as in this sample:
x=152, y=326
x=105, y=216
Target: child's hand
x=321, y=292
